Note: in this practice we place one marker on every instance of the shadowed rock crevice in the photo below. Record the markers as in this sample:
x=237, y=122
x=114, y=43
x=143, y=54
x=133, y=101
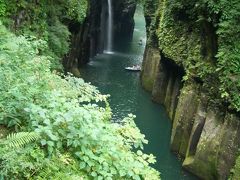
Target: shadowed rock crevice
x=196, y=137
x=79, y=51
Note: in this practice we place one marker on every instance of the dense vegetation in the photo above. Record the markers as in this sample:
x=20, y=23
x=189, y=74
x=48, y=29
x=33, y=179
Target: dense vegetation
x=235, y=173
x=46, y=20
x=203, y=37
x=61, y=126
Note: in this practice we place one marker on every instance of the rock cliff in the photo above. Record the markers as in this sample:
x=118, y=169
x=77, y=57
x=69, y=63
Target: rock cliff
x=88, y=39
x=178, y=69
x=123, y=17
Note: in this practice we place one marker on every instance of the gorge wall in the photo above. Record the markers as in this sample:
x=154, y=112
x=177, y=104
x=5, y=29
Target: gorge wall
x=88, y=38
x=180, y=69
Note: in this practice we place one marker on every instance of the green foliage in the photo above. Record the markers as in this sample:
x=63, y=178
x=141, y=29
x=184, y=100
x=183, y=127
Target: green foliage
x=203, y=37
x=21, y=163
x=58, y=43
x=2, y=8
x=77, y=9
x=235, y=172
x=20, y=139
x=228, y=66
x=141, y=2
x=71, y=117
x=58, y=38
x=31, y=162
x=44, y=20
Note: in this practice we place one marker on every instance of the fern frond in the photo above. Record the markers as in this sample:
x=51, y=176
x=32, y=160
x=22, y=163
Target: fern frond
x=16, y=140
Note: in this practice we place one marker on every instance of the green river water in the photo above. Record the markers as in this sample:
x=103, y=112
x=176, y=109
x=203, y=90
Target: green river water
x=106, y=71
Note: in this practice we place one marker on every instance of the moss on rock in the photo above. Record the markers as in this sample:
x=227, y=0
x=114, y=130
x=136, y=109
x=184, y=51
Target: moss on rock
x=150, y=67
x=217, y=147
x=183, y=121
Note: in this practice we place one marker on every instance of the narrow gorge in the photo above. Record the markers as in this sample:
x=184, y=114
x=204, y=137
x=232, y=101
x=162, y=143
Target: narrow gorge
x=120, y=89
x=178, y=69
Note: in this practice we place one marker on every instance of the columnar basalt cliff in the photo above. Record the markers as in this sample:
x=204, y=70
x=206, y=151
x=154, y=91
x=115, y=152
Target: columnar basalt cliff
x=180, y=70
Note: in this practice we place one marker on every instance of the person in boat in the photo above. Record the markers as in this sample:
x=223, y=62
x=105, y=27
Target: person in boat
x=140, y=42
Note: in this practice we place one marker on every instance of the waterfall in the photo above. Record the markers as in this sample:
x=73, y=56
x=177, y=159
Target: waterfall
x=109, y=27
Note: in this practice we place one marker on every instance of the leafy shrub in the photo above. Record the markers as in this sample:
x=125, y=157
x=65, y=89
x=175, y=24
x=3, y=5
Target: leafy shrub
x=66, y=114
x=58, y=38
x=31, y=162
x=77, y=9
x=235, y=172
x=58, y=43
x=2, y=8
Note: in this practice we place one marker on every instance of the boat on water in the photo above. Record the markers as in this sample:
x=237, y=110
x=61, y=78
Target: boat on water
x=133, y=68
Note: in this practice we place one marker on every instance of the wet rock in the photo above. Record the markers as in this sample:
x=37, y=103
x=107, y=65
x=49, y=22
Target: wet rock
x=150, y=69
x=215, y=153
x=184, y=118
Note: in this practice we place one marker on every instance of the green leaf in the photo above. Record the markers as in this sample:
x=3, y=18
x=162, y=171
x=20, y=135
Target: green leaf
x=50, y=143
x=94, y=174
x=82, y=165
x=43, y=142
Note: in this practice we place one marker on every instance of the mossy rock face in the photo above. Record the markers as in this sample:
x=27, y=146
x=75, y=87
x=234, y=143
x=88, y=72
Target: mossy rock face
x=183, y=121
x=169, y=91
x=160, y=84
x=229, y=145
x=216, y=150
x=203, y=131
x=150, y=67
x=204, y=164
x=199, y=122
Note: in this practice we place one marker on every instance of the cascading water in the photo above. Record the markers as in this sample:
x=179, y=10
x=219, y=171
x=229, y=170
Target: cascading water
x=109, y=28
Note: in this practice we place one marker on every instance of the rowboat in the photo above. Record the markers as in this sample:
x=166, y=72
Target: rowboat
x=133, y=68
